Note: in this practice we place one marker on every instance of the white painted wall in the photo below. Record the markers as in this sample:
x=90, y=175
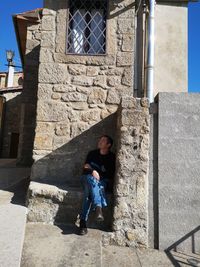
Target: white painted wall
x=171, y=48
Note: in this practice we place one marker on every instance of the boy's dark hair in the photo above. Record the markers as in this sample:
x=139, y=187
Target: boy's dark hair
x=109, y=139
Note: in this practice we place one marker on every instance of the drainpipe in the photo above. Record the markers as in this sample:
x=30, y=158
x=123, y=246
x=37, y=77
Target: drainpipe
x=150, y=54
x=138, y=85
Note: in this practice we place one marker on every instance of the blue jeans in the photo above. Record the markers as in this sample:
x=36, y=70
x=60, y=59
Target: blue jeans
x=94, y=194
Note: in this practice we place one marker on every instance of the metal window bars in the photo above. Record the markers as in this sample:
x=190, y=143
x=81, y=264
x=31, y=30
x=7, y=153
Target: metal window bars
x=87, y=27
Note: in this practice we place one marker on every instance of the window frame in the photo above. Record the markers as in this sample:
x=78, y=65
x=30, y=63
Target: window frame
x=106, y=35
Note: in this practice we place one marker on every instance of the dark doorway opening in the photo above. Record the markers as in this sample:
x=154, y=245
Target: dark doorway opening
x=14, y=143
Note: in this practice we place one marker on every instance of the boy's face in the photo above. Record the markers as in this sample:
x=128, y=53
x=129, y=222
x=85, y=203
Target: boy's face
x=103, y=143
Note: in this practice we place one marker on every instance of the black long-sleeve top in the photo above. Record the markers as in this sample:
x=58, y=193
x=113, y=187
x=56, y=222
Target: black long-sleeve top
x=103, y=164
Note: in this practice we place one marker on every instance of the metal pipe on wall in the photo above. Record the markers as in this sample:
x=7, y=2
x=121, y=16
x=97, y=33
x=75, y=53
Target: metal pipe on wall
x=150, y=53
x=140, y=15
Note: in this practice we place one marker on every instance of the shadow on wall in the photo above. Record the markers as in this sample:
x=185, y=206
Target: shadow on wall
x=63, y=168
x=28, y=108
x=64, y=165
x=189, y=258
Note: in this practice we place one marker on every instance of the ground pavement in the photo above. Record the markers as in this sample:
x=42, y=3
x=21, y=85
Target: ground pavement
x=13, y=184
x=39, y=245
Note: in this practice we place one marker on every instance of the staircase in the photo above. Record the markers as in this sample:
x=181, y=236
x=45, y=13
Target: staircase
x=61, y=204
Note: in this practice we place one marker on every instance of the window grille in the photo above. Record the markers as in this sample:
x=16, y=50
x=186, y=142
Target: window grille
x=87, y=27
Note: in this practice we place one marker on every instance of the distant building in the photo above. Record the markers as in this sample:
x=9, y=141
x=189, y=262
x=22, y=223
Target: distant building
x=10, y=111
x=17, y=81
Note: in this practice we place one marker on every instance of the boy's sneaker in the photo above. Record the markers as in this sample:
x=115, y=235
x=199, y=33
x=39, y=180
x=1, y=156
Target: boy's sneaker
x=83, y=228
x=99, y=214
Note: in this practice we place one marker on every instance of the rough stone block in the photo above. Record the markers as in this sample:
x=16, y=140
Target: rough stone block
x=48, y=23
x=84, y=90
x=60, y=141
x=77, y=70
x=122, y=190
x=44, y=91
x=126, y=26
x=64, y=88
x=31, y=44
x=51, y=112
x=124, y=59
x=82, y=80
x=43, y=141
x=113, y=97
x=128, y=43
x=48, y=12
x=91, y=115
x=53, y=73
x=46, y=55
x=113, y=81
x=79, y=105
x=128, y=103
x=100, y=81
x=61, y=28
x=114, y=72
x=74, y=97
x=62, y=129
x=97, y=96
x=134, y=118
x=55, y=96
x=78, y=128
x=45, y=127
x=101, y=61
x=48, y=39
x=127, y=78
x=92, y=71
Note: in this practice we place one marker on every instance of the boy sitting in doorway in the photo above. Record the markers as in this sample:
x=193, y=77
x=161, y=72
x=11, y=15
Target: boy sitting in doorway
x=98, y=174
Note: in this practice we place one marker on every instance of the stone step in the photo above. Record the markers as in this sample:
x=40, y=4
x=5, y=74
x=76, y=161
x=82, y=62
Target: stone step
x=59, y=204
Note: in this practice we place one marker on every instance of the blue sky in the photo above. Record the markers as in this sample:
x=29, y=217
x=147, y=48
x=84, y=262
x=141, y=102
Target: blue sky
x=8, y=40
x=194, y=47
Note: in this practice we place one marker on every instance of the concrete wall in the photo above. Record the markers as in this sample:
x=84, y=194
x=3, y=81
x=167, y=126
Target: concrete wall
x=171, y=45
x=153, y=180
x=179, y=171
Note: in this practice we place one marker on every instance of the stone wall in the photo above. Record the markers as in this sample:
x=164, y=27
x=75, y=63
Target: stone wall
x=78, y=95
x=11, y=122
x=131, y=185
x=29, y=95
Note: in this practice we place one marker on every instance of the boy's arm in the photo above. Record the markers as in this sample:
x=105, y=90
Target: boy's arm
x=87, y=169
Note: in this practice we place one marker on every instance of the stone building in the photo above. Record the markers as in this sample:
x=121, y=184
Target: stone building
x=84, y=75
x=10, y=114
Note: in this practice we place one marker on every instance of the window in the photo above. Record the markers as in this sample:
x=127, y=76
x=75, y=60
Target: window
x=87, y=27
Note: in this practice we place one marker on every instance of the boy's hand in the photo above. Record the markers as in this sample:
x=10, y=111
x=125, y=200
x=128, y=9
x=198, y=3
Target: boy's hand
x=87, y=166
x=96, y=175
